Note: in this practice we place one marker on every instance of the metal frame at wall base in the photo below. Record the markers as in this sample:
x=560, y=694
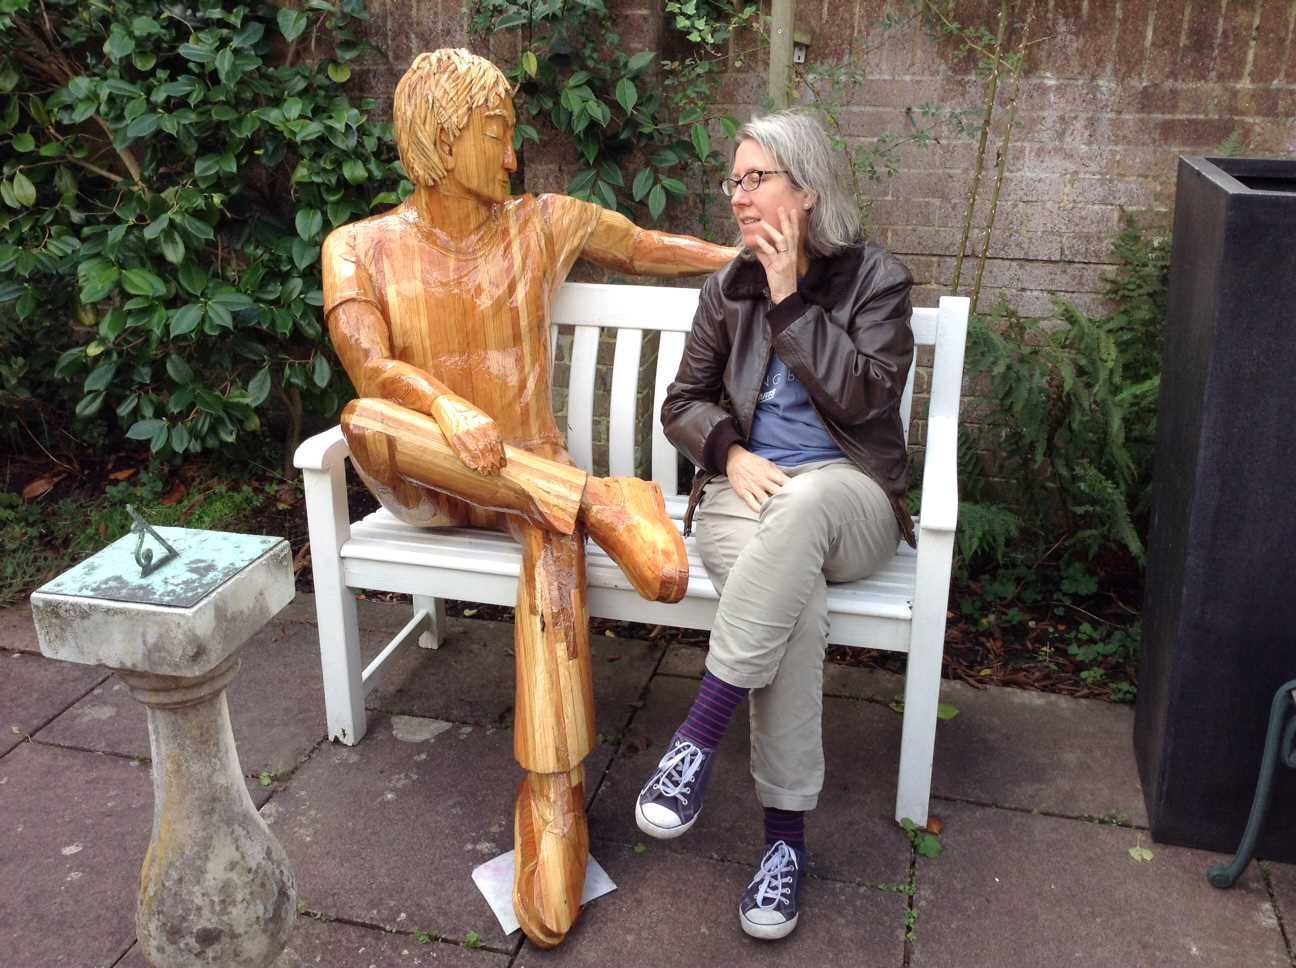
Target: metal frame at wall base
x=1280, y=746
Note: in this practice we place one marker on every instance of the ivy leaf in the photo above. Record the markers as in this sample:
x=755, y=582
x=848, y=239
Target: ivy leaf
x=530, y=64
x=729, y=124
x=641, y=60
x=24, y=192
x=198, y=228
x=626, y=94
x=339, y=73
x=291, y=23
x=701, y=141
x=606, y=195
x=1140, y=854
x=24, y=142
x=179, y=370
x=100, y=377
x=259, y=387
x=199, y=54
x=141, y=282
x=157, y=226
x=225, y=65
x=611, y=174
x=321, y=371
x=193, y=277
x=674, y=186
x=231, y=298
x=186, y=319
x=145, y=429
x=179, y=438
x=353, y=170
x=946, y=711
x=582, y=184
x=219, y=315
x=656, y=202
x=304, y=253
x=642, y=183
x=309, y=222
x=173, y=247
x=119, y=43
x=90, y=405
x=511, y=20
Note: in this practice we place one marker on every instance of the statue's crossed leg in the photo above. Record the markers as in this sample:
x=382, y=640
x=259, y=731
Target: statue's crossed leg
x=546, y=502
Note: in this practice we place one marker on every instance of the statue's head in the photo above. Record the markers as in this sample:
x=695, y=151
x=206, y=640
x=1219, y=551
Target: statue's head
x=453, y=119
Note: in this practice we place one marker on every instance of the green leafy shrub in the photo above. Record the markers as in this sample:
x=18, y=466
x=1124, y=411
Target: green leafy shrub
x=574, y=77
x=169, y=174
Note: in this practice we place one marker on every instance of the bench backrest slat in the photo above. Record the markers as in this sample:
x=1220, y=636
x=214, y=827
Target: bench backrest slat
x=624, y=403
x=665, y=461
x=580, y=395
x=632, y=310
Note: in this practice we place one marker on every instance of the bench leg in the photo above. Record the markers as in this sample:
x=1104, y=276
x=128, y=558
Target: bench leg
x=922, y=679
x=335, y=607
x=435, y=607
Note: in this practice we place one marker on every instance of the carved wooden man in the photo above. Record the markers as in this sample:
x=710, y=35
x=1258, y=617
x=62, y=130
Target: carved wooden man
x=439, y=309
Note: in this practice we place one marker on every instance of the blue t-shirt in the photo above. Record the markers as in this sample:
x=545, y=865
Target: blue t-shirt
x=786, y=429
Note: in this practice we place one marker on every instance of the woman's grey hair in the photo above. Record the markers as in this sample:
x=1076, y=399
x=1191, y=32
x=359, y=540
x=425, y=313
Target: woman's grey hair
x=795, y=141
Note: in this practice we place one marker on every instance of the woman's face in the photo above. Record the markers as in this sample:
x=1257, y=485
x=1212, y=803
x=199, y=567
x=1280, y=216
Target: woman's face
x=750, y=209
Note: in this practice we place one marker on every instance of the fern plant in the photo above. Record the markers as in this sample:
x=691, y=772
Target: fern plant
x=1079, y=408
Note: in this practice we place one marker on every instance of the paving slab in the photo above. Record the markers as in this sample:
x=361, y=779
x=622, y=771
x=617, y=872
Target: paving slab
x=1282, y=877
x=17, y=630
x=1037, y=751
x=336, y=945
x=470, y=679
x=34, y=690
x=388, y=832
x=74, y=827
x=674, y=910
x=852, y=834
x=276, y=706
x=1013, y=888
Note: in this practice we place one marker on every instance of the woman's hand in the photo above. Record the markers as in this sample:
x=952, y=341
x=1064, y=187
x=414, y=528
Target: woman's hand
x=753, y=478
x=778, y=252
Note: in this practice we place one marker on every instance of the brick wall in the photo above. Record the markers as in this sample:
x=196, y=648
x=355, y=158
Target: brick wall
x=1114, y=92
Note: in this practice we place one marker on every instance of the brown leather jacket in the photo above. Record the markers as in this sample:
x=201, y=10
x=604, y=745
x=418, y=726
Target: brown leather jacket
x=845, y=334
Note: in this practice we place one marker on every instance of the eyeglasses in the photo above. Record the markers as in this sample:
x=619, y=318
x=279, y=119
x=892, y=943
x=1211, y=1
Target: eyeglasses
x=750, y=181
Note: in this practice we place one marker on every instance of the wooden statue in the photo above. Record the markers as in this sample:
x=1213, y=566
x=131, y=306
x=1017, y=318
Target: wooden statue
x=439, y=310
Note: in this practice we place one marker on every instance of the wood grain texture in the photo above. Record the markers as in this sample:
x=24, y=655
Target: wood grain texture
x=439, y=310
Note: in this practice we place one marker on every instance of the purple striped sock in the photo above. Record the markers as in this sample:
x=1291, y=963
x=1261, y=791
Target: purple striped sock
x=712, y=710
x=785, y=825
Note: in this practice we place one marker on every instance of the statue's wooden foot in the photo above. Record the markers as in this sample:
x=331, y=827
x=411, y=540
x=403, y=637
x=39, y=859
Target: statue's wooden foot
x=551, y=836
x=627, y=517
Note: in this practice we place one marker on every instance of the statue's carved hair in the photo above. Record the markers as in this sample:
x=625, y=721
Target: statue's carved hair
x=437, y=94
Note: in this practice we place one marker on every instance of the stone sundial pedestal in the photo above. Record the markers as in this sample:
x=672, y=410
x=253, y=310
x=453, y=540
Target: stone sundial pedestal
x=167, y=610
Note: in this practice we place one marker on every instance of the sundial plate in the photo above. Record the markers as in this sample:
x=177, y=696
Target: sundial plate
x=206, y=560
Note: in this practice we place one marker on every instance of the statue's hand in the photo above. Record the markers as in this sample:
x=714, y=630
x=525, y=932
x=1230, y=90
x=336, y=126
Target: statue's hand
x=473, y=435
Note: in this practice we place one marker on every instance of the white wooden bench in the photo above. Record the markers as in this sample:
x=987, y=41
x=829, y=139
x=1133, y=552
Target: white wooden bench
x=900, y=609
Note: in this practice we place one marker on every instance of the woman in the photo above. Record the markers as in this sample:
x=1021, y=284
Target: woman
x=788, y=399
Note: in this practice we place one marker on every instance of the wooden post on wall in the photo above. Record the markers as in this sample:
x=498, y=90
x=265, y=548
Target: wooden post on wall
x=780, y=69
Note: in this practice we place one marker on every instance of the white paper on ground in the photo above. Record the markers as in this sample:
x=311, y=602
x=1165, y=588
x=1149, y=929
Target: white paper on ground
x=495, y=880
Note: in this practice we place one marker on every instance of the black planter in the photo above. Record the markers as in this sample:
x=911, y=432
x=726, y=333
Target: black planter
x=1219, y=620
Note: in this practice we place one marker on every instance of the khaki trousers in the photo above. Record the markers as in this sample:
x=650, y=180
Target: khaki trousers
x=829, y=522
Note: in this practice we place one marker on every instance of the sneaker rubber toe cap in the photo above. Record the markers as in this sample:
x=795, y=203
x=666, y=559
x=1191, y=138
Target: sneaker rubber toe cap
x=660, y=821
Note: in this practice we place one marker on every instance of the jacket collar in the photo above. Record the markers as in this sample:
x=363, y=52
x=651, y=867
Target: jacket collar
x=823, y=284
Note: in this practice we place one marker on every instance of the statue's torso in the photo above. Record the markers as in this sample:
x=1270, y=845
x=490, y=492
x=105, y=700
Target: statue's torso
x=474, y=314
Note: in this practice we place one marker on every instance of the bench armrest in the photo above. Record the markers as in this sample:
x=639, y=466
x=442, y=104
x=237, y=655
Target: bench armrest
x=939, y=510
x=322, y=452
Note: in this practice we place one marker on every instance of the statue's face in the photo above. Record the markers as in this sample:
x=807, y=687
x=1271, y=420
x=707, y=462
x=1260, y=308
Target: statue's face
x=483, y=154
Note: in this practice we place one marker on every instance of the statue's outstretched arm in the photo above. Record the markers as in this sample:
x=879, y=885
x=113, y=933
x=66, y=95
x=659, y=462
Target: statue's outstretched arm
x=360, y=336
x=619, y=244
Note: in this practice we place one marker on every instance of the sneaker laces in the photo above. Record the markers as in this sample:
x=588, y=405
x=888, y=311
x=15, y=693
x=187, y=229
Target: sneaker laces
x=773, y=882
x=677, y=769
